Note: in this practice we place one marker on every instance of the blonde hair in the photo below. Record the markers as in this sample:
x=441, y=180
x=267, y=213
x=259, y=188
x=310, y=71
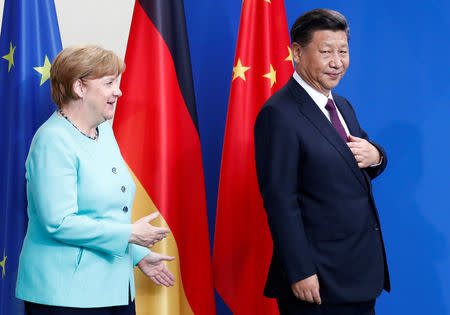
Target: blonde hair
x=82, y=62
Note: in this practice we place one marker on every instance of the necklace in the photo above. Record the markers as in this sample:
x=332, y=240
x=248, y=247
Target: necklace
x=67, y=118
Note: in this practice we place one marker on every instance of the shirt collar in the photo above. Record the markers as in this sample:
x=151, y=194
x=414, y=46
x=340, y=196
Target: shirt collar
x=318, y=98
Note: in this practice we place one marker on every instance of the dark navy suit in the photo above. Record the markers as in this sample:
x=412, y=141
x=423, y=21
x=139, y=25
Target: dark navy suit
x=319, y=203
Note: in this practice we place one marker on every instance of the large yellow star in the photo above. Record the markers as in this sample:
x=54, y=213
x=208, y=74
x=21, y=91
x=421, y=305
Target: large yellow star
x=44, y=70
x=10, y=56
x=289, y=57
x=2, y=264
x=239, y=70
x=272, y=75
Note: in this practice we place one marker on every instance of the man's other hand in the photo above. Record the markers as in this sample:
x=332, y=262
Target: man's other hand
x=307, y=289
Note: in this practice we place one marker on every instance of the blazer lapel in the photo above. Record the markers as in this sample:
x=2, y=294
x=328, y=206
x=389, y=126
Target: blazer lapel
x=352, y=125
x=312, y=112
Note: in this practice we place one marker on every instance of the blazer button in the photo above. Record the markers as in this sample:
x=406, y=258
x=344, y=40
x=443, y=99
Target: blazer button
x=376, y=227
x=125, y=209
x=123, y=189
x=114, y=170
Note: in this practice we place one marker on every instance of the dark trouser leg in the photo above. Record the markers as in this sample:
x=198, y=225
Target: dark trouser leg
x=297, y=307
x=39, y=309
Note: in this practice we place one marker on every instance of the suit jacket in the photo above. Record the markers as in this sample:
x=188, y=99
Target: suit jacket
x=80, y=194
x=319, y=203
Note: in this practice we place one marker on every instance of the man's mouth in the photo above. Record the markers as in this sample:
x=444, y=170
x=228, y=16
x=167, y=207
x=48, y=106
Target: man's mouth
x=334, y=75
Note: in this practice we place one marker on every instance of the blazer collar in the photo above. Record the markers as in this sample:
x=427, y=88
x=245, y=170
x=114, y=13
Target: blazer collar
x=312, y=112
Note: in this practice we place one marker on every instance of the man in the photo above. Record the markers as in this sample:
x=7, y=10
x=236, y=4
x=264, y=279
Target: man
x=315, y=165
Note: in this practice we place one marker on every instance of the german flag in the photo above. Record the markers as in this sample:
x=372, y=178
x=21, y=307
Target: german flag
x=242, y=241
x=157, y=131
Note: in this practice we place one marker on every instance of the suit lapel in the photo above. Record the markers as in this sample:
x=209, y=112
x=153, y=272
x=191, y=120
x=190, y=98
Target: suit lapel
x=353, y=127
x=345, y=111
x=313, y=113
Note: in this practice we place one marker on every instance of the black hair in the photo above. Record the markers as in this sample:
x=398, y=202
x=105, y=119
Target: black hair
x=315, y=20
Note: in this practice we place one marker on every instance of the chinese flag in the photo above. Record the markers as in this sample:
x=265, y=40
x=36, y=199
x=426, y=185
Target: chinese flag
x=157, y=131
x=243, y=245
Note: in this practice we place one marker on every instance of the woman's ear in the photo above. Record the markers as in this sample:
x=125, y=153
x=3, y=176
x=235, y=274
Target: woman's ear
x=79, y=88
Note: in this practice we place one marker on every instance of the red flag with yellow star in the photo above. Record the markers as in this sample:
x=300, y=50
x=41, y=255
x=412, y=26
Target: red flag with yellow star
x=157, y=131
x=243, y=245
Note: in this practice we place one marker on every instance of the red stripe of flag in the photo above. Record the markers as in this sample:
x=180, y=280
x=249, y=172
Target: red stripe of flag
x=160, y=143
x=242, y=241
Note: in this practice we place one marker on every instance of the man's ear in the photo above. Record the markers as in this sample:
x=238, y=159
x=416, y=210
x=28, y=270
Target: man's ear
x=79, y=88
x=297, y=51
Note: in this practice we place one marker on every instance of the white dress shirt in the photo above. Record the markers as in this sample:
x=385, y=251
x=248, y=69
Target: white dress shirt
x=320, y=100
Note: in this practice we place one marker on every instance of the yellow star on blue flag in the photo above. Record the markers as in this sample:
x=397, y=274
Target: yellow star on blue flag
x=2, y=264
x=10, y=56
x=44, y=70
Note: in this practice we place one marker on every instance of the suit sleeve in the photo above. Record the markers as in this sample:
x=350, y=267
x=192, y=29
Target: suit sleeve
x=375, y=170
x=277, y=155
x=52, y=186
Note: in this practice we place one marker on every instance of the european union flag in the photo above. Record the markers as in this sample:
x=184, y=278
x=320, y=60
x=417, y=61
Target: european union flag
x=29, y=42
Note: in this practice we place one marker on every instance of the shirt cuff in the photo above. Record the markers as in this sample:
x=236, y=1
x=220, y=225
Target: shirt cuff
x=378, y=164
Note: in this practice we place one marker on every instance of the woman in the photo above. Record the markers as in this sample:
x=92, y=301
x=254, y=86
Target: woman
x=80, y=247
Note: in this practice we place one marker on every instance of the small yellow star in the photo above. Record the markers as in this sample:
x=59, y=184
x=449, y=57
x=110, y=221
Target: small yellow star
x=289, y=58
x=272, y=75
x=2, y=264
x=44, y=70
x=10, y=56
x=268, y=1
x=239, y=70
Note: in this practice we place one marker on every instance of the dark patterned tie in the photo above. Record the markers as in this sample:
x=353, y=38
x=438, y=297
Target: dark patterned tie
x=331, y=108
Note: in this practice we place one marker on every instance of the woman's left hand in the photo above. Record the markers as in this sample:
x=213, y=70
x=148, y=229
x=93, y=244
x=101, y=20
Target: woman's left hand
x=152, y=266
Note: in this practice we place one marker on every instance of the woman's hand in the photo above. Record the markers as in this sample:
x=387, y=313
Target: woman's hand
x=152, y=266
x=145, y=234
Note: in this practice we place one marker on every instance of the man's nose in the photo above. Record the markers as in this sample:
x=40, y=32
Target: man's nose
x=336, y=61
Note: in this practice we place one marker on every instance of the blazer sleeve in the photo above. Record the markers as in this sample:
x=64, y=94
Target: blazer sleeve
x=52, y=187
x=374, y=171
x=277, y=155
x=138, y=253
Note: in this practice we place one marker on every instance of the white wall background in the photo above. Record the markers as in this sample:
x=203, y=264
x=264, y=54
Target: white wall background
x=101, y=22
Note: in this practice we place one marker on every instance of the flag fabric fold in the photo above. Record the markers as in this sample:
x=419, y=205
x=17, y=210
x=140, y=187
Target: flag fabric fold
x=157, y=131
x=242, y=241
x=29, y=42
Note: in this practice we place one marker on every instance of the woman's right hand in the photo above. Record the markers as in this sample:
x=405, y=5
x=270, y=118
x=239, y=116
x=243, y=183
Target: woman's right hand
x=145, y=234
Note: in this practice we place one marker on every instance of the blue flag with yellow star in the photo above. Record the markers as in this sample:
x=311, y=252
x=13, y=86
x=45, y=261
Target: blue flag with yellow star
x=29, y=42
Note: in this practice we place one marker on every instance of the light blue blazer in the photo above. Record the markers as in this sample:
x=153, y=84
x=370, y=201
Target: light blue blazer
x=80, y=194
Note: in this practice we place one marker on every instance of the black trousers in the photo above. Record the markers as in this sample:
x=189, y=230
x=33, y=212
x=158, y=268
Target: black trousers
x=298, y=307
x=39, y=309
